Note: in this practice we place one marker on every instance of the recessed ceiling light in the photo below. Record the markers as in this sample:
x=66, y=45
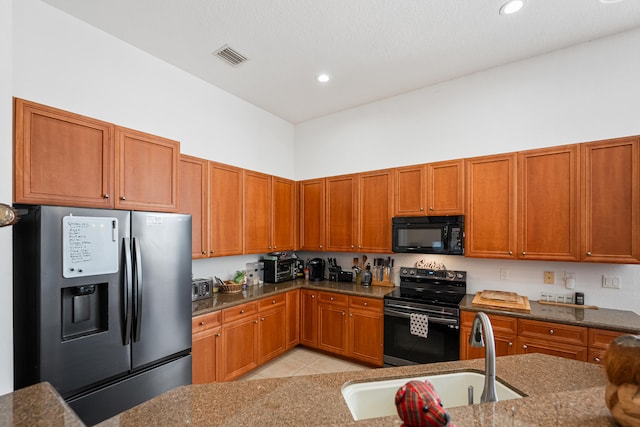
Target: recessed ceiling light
x=511, y=7
x=323, y=78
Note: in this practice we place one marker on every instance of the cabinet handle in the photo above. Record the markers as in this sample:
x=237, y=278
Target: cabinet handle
x=273, y=301
x=589, y=253
x=596, y=359
x=241, y=311
x=211, y=252
x=524, y=253
x=201, y=323
x=204, y=252
x=510, y=344
x=217, y=335
x=510, y=252
x=525, y=347
x=331, y=299
x=350, y=314
x=106, y=196
x=123, y=198
x=366, y=304
x=313, y=296
x=269, y=247
x=430, y=208
x=421, y=209
x=550, y=331
x=320, y=246
x=255, y=321
x=343, y=313
x=262, y=319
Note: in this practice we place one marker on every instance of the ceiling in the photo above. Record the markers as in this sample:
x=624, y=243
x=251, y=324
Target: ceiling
x=373, y=49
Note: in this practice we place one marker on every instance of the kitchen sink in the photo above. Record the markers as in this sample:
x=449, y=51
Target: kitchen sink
x=377, y=398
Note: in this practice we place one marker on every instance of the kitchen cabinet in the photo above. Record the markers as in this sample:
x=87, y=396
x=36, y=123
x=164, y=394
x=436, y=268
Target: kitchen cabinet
x=62, y=158
x=490, y=221
x=375, y=211
x=193, y=198
x=552, y=338
x=341, y=213
x=611, y=201
x=548, y=204
x=283, y=214
x=293, y=318
x=505, y=331
x=146, y=171
x=272, y=327
x=225, y=210
x=204, y=347
x=411, y=191
x=308, y=317
x=332, y=322
x=257, y=212
x=366, y=330
x=312, y=215
x=599, y=340
x=239, y=341
x=445, y=188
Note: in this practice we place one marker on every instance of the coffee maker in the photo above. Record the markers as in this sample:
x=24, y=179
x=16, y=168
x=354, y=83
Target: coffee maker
x=316, y=269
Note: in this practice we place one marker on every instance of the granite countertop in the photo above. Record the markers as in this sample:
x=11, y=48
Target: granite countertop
x=560, y=392
x=37, y=405
x=604, y=318
x=221, y=300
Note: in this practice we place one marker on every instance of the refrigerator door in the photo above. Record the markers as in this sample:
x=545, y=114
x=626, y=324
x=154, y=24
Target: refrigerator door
x=68, y=331
x=161, y=247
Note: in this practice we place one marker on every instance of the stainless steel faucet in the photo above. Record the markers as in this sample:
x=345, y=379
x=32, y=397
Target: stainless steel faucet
x=482, y=327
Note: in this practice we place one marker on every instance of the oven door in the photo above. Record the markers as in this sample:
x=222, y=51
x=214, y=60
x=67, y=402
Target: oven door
x=402, y=348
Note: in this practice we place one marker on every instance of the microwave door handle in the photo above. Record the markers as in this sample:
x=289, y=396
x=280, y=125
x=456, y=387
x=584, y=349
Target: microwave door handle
x=440, y=320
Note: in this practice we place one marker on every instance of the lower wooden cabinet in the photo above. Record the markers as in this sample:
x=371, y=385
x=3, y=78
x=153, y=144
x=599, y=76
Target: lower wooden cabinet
x=239, y=339
x=271, y=327
x=308, y=317
x=292, y=328
x=366, y=330
x=504, y=331
x=332, y=322
x=205, y=347
x=599, y=340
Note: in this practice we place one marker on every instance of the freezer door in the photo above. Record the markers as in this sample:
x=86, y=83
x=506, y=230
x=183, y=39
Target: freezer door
x=162, y=286
x=68, y=331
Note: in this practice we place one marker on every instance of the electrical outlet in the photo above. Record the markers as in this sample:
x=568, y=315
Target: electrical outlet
x=504, y=274
x=549, y=277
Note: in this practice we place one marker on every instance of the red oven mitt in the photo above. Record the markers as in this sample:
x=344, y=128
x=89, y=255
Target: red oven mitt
x=420, y=406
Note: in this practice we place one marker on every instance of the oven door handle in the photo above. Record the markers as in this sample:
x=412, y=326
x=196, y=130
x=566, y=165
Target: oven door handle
x=406, y=308
x=440, y=320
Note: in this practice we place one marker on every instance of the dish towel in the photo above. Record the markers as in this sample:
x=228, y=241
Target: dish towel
x=419, y=325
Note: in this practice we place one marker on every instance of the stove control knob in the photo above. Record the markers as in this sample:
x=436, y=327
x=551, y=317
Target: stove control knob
x=450, y=275
x=459, y=275
x=403, y=271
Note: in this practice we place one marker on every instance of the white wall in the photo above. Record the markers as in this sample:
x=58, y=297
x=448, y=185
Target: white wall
x=587, y=92
x=6, y=175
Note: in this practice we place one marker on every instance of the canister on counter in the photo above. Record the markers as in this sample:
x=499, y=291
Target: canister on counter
x=579, y=298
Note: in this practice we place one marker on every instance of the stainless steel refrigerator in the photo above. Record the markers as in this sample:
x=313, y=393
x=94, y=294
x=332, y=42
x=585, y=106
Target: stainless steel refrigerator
x=102, y=305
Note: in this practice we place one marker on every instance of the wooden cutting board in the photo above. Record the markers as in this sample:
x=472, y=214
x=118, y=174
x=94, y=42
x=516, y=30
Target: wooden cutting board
x=502, y=301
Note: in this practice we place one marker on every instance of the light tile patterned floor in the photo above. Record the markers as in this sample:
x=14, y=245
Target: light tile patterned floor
x=301, y=361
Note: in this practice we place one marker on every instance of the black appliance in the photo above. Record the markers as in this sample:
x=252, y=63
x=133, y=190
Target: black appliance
x=102, y=306
x=428, y=235
x=316, y=269
x=436, y=294
x=279, y=270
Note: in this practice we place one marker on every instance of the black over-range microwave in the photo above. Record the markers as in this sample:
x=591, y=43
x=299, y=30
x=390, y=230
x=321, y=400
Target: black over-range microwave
x=442, y=235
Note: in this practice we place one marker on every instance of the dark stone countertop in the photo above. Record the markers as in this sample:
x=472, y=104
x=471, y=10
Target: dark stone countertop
x=604, y=318
x=36, y=405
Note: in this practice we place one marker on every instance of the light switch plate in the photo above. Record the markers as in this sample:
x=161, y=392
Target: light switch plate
x=549, y=278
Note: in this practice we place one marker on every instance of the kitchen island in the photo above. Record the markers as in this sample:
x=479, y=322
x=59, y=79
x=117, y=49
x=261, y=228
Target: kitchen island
x=559, y=392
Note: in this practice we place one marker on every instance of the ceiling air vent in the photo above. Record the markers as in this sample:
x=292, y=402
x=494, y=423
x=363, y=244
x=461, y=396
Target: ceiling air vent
x=230, y=56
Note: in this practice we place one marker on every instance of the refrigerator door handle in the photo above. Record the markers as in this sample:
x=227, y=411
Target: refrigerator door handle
x=137, y=290
x=126, y=290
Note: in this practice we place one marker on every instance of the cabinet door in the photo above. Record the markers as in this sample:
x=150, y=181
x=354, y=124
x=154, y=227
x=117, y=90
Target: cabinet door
x=204, y=354
x=146, y=171
x=308, y=318
x=283, y=214
x=272, y=338
x=548, y=216
x=490, y=223
x=411, y=191
x=342, y=210
x=312, y=215
x=225, y=210
x=611, y=201
x=257, y=212
x=193, y=198
x=293, y=318
x=375, y=210
x=332, y=328
x=504, y=331
x=366, y=336
x=62, y=158
x=239, y=348
x=445, y=188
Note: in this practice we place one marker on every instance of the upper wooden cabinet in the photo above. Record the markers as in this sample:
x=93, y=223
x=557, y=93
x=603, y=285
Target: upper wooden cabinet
x=375, y=210
x=257, y=212
x=312, y=214
x=611, y=201
x=61, y=158
x=283, y=214
x=490, y=222
x=146, y=171
x=341, y=213
x=548, y=204
x=225, y=210
x=193, y=198
x=430, y=189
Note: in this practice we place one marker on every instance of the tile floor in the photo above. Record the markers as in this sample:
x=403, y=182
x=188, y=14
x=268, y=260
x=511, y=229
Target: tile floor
x=301, y=361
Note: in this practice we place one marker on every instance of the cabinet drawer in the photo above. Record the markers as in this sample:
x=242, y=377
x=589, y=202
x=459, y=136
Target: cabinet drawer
x=205, y=322
x=600, y=338
x=596, y=355
x=272, y=301
x=501, y=324
x=556, y=332
x=337, y=299
x=366, y=303
x=239, y=311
